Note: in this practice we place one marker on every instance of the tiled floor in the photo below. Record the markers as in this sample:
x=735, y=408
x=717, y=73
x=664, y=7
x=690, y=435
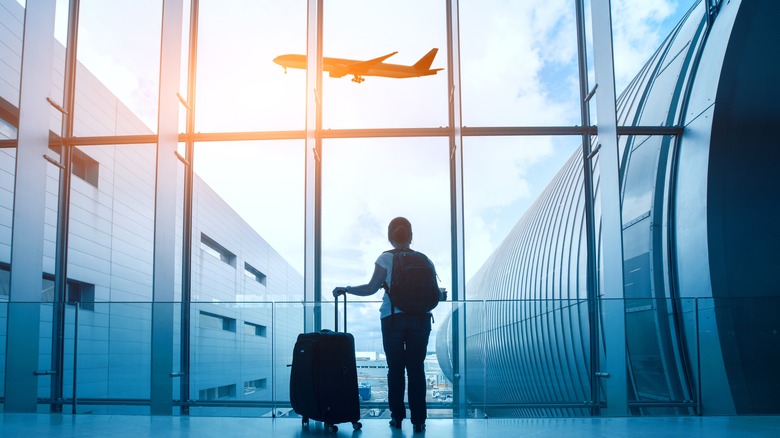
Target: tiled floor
x=125, y=426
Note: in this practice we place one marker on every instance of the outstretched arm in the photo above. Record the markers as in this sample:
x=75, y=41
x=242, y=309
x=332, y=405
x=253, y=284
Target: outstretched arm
x=370, y=288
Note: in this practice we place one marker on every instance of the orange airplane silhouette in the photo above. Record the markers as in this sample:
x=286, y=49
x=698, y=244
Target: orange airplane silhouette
x=339, y=67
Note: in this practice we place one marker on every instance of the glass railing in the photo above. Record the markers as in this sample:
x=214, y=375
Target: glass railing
x=516, y=358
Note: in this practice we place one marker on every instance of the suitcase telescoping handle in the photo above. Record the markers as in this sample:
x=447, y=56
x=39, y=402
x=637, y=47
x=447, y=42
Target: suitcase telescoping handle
x=336, y=312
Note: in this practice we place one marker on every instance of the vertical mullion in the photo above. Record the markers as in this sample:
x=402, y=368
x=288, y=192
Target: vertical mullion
x=611, y=281
x=161, y=391
x=313, y=185
x=456, y=208
x=63, y=210
x=189, y=177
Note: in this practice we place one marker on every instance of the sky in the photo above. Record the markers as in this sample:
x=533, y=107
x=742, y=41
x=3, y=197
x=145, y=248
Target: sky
x=518, y=69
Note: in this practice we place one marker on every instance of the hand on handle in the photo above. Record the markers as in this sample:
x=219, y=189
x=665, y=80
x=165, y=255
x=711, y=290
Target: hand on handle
x=339, y=291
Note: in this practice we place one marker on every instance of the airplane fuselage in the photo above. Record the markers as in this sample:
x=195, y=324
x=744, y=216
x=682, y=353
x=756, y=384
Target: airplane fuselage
x=338, y=67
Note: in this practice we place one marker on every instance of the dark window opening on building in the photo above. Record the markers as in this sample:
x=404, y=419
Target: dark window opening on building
x=253, y=385
x=82, y=165
x=255, y=329
x=254, y=273
x=217, y=393
x=219, y=322
x=5, y=280
x=75, y=292
x=211, y=246
x=81, y=293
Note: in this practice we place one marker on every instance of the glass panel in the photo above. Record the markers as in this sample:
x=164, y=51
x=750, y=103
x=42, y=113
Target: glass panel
x=117, y=79
x=656, y=350
x=11, y=32
x=7, y=179
x=358, y=204
x=50, y=227
x=354, y=32
x=519, y=63
x=184, y=67
x=113, y=358
x=363, y=322
x=287, y=324
x=177, y=282
x=44, y=350
x=111, y=231
x=368, y=182
x=531, y=357
x=372, y=363
x=503, y=177
x=246, y=248
x=439, y=365
x=248, y=209
x=56, y=91
x=240, y=88
x=638, y=32
x=232, y=356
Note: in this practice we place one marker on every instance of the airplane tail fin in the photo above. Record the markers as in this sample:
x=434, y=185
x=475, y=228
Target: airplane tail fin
x=425, y=62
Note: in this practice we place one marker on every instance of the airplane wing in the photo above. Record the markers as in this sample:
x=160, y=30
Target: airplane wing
x=363, y=66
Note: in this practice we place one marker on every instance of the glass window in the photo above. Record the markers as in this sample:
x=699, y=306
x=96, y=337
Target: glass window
x=366, y=183
x=503, y=177
x=248, y=199
x=239, y=87
x=640, y=177
x=519, y=63
x=111, y=231
x=354, y=32
x=11, y=32
x=117, y=78
x=7, y=179
x=638, y=31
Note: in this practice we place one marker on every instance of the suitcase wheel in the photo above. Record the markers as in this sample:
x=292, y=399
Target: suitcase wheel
x=357, y=425
x=331, y=428
x=304, y=422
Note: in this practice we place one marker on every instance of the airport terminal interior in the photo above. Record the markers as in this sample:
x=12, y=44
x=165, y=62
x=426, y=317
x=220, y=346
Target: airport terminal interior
x=184, y=182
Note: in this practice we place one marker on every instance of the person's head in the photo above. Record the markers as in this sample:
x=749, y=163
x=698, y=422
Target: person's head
x=399, y=232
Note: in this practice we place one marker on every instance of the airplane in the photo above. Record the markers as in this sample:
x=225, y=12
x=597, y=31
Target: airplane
x=338, y=67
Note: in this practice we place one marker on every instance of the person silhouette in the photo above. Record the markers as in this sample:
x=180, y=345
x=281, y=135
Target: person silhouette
x=404, y=336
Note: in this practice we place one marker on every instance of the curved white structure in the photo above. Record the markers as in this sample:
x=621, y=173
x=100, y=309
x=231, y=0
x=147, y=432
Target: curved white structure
x=700, y=244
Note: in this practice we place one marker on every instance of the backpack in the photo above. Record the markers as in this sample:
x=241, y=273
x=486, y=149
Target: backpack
x=414, y=287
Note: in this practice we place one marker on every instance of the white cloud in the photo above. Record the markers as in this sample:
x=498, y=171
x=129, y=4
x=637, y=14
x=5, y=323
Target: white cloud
x=637, y=34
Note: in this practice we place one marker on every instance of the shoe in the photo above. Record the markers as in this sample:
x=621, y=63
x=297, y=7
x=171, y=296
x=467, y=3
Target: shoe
x=396, y=424
x=419, y=427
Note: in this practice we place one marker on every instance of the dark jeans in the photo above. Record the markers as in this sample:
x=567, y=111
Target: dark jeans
x=405, y=338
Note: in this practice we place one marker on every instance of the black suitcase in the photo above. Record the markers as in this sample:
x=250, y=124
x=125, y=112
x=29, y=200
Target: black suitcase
x=323, y=379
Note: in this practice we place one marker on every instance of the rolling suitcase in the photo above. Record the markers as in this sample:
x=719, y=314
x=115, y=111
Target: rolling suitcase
x=323, y=379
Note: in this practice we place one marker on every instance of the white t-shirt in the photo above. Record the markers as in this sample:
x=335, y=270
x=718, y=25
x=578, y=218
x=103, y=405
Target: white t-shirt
x=385, y=260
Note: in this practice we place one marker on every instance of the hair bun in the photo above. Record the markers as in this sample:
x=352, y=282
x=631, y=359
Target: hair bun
x=400, y=231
